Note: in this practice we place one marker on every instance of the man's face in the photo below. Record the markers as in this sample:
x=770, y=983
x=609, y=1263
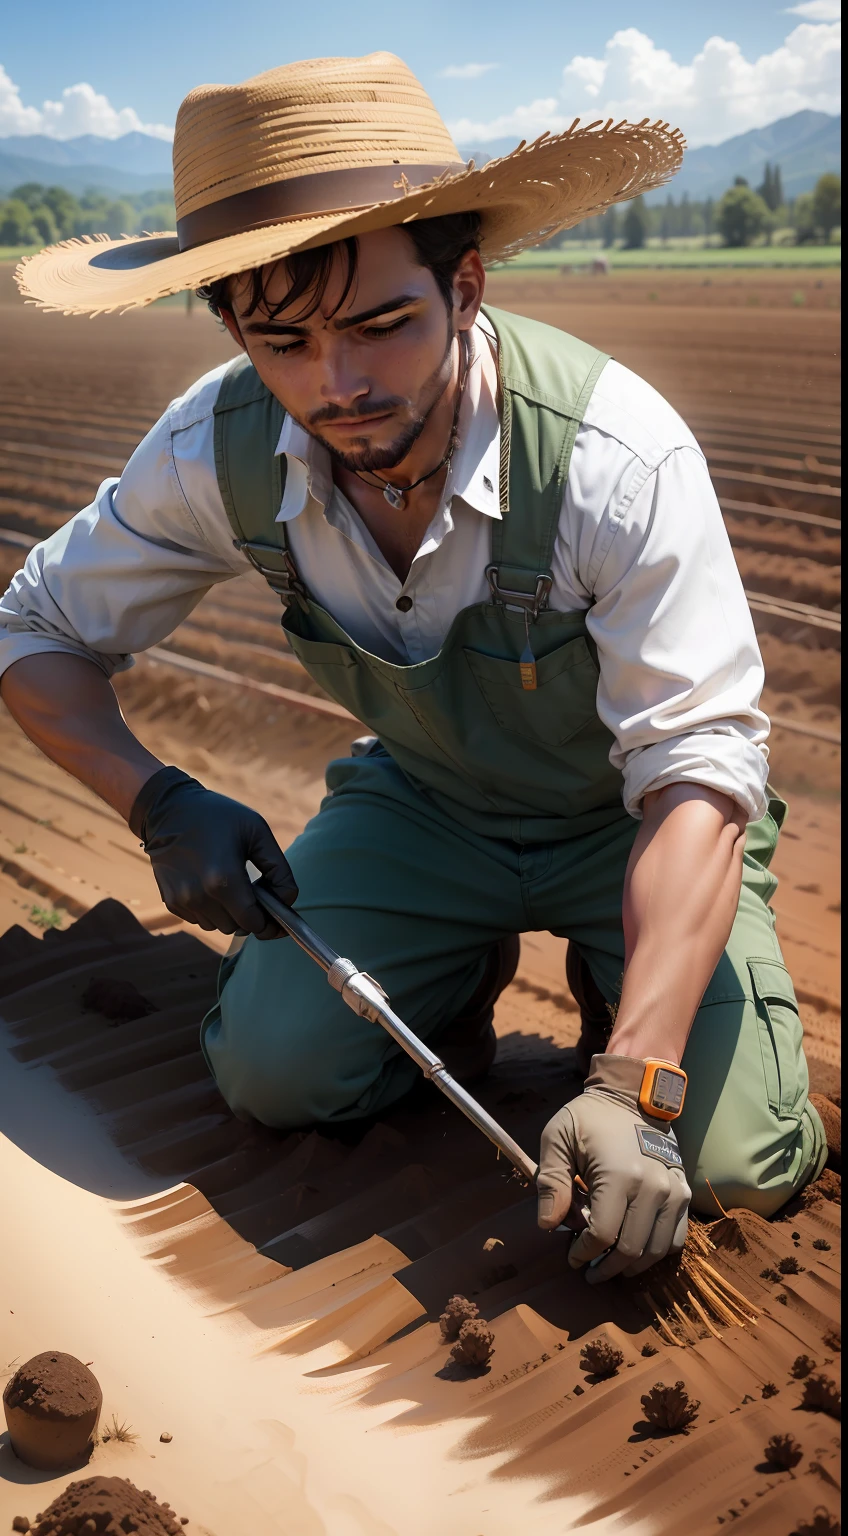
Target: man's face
x=362, y=378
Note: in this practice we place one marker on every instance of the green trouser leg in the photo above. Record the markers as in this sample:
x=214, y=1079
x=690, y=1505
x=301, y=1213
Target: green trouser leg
x=416, y=899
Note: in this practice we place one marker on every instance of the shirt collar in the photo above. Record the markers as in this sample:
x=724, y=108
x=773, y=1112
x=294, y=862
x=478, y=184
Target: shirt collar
x=474, y=474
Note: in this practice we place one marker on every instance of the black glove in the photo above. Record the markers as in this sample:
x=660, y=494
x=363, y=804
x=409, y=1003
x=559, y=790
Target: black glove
x=199, y=843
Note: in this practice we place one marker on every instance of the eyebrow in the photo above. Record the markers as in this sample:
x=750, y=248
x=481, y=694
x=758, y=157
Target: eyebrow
x=280, y=327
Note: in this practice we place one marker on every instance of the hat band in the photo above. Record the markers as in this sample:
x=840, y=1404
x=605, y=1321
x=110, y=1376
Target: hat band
x=322, y=192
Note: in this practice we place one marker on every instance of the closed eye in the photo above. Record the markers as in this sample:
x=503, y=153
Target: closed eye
x=388, y=330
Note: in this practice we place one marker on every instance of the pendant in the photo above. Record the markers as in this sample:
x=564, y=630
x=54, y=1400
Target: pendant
x=394, y=497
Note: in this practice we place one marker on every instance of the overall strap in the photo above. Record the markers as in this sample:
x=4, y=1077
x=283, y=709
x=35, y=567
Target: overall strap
x=251, y=474
x=547, y=378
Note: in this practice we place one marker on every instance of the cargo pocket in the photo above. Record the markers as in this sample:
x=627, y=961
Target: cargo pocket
x=781, y=1033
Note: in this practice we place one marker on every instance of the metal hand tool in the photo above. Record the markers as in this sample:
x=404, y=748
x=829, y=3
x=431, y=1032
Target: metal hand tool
x=367, y=998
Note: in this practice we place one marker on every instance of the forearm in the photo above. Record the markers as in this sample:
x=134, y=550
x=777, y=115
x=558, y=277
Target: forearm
x=680, y=897
x=69, y=710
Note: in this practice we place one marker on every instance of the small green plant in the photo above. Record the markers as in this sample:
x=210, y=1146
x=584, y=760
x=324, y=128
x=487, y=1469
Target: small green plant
x=46, y=917
x=601, y=1358
x=822, y=1244
x=122, y=1432
x=799, y=298
x=783, y=1452
x=822, y=1395
x=769, y=1389
x=21, y=848
x=790, y=1266
x=670, y=1409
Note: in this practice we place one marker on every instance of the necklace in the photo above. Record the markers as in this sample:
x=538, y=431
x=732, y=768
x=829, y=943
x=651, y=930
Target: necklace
x=396, y=495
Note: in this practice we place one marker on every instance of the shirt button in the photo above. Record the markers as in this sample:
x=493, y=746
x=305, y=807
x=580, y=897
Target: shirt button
x=404, y=603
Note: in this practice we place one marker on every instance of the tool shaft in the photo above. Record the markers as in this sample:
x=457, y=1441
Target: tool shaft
x=363, y=995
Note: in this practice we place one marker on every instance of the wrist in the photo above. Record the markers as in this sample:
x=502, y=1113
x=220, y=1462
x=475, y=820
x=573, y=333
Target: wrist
x=652, y=1086
x=150, y=793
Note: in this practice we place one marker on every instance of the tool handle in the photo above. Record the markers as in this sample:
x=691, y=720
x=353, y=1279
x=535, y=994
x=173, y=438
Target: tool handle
x=296, y=927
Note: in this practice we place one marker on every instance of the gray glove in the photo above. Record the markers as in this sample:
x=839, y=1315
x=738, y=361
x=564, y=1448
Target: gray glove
x=631, y=1164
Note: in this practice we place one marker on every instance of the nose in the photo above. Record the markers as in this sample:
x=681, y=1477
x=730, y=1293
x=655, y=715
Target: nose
x=342, y=383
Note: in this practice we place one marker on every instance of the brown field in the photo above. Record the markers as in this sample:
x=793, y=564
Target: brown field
x=326, y=1321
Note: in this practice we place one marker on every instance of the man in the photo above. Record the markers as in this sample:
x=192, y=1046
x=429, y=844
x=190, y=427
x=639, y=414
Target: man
x=502, y=552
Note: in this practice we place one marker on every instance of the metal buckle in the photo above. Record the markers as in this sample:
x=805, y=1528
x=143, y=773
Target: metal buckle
x=521, y=601
x=287, y=584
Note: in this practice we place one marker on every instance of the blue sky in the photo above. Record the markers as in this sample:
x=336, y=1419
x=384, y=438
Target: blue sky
x=716, y=70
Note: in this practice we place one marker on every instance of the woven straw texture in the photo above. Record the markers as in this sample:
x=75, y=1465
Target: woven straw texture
x=336, y=115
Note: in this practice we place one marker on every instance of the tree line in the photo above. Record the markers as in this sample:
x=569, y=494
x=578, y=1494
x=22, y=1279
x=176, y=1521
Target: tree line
x=37, y=215
x=744, y=214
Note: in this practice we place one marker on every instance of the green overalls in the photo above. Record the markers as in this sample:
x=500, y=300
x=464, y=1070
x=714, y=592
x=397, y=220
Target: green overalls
x=488, y=807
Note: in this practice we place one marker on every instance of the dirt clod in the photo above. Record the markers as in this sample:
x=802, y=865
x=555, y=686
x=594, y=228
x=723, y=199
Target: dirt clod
x=783, y=1452
x=106, y=1504
x=821, y=1394
x=52, y=1404
x=166, y=1437
x=118, y=1001
x=459, y=1310
x=20, y=1523
x=475, y=1344
x=801, y=1366
x=670, y=1408
x=601, y=1358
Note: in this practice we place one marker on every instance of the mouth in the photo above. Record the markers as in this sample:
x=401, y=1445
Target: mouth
x=356, y=424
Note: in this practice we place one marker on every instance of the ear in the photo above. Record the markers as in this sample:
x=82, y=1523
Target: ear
x=469, y=284
x=231, y=323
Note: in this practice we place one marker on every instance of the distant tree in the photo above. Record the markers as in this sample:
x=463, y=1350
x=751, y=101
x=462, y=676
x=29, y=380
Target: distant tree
x=709, y=216
x=29, y=192
x=159, y=216
x=667, y=220
x=609, y=228
x=16, y=223
x=739, y=181
x=685, y=221
x=771, y=190
x=804, y=219
x=827, y=203
x=64, y=208
x=634, y=227
x=45, y=225
x=741, y=216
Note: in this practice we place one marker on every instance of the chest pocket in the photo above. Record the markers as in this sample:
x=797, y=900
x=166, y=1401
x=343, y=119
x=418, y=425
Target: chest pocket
x=563, y=702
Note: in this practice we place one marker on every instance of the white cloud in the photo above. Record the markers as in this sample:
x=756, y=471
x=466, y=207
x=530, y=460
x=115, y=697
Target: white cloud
x=718, y=94
x=81, y=110
x=817, y=10
x=466, y=71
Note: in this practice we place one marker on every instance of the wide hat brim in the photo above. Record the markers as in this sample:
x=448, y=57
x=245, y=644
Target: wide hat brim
x=523, y=198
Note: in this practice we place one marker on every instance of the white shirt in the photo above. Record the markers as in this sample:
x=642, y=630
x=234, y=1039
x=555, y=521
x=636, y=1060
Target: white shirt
x=641, y=547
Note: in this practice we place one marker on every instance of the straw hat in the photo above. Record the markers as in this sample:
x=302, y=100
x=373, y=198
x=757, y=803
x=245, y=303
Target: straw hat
x=313, y=152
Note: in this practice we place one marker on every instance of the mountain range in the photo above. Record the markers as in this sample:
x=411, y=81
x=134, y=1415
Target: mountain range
x=804, y=145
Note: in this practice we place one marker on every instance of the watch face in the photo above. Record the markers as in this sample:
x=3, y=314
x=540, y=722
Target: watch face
x=667, y=1092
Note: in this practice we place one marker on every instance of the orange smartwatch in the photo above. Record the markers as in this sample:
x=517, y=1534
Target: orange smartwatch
x=663, y=1090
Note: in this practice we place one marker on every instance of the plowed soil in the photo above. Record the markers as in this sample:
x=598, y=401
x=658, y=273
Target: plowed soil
x=273, y=1301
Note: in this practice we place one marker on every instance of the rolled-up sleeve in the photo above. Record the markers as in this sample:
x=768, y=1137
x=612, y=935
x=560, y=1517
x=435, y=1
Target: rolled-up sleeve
x=680, y=670
x=125, y=571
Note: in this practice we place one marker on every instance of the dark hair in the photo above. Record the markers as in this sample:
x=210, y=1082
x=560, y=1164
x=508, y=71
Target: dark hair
x=439, y=245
